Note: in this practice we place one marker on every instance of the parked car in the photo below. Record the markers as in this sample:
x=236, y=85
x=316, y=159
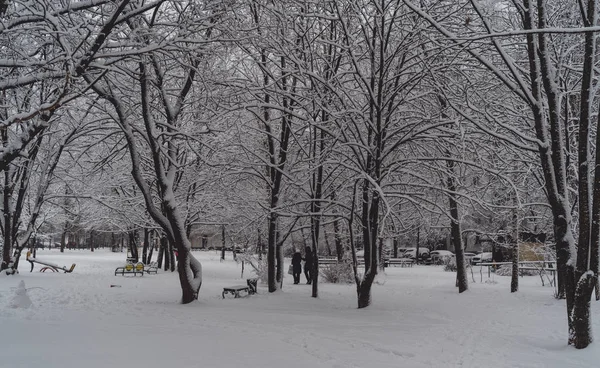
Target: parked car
x=482, y=257
x=401, y=251
x=411, y=253
x=469, y=257
x=440, y=256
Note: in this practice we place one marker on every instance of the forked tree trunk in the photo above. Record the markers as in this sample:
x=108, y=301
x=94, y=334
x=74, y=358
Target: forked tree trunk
x=370, y=227
x=186, y=265
x=364, y=290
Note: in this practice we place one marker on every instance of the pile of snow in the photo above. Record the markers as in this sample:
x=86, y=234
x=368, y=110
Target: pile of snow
x=21, y=299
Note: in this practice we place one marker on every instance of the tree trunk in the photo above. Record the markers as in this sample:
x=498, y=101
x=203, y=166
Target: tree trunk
x=381, y=260
x=339, y=247
x=417, y=258
x=271, y=252
x=151, y=246
x=162, y=246
x=187, y=262
x=279, y=257
x=580, y=335
x=222, y=242
x=92, y=241
x=7, y=246
x=327, y=245
x=259, y=247
x=315, y=227
x=370, y=226
x=584, y=275
x=145, y=247
x=514, y=282
x=133, y=249
x=63, y=238
x=461, y=270
x=167, y=255
x=364, y=290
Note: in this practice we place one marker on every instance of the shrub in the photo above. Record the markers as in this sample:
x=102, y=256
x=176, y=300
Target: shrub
x=450, y=265
x=340, y=273
x=506, y=270
x=258, y=266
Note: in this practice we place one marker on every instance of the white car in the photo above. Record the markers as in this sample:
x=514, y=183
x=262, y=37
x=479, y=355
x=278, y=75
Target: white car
x=469, y=256
x=481, y=258
x=441, y=256
x=411, y=252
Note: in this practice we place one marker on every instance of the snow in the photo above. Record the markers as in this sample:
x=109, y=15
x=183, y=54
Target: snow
x=91, y=318
x=21, y=299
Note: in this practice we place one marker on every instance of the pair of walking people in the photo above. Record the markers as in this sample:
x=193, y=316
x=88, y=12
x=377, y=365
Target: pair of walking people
x=297, y=265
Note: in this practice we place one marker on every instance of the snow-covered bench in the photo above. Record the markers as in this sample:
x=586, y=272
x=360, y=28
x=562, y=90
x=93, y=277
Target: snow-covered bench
x=130, y=268
x=248, y=289
x=402, y=262
x=152, y=267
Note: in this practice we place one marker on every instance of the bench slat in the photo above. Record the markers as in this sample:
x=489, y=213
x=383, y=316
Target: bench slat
x=236, y=287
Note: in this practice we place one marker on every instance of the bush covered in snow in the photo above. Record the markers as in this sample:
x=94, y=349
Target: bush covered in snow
x=340, y=273
x=506, y=270
x=450, y=265
x=259, y=266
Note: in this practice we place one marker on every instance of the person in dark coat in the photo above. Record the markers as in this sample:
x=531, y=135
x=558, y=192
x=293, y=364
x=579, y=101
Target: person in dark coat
x=308, y=265
x=297, y=267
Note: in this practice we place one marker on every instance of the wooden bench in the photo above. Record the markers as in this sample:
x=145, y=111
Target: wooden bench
x=327, y=261
x=250, y=288
x=130, y=268
x=402, y=262
x=152, y=267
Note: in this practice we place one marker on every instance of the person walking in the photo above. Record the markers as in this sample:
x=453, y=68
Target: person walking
x=308, y=265
x=296, y=266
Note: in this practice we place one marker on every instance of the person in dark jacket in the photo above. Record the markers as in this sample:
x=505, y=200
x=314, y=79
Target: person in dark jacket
x=297, y=267
x=308, y=265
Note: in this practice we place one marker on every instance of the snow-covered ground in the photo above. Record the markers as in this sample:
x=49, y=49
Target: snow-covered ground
x=417, y=319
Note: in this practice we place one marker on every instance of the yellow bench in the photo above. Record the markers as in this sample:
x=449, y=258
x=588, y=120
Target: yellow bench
x=131, y=268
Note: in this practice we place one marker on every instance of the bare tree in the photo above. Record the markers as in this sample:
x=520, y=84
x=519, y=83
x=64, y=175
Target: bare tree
x=538, y=89
x=169, y=134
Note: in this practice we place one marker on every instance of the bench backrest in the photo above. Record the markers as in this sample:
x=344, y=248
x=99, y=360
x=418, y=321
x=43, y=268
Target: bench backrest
x=128, y=267
x=139, y=266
